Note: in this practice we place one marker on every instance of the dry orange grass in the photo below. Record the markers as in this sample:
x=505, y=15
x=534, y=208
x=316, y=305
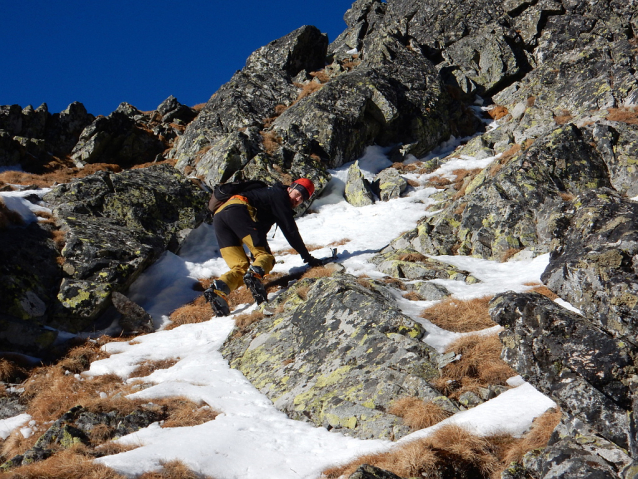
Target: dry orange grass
x=350, y=64
x=196, y=311
x=417, y=413
x=394, y=282
x=307, y=89
x=450, y=449
x=413, y=183
x=50, y=392
x=72, y=463
x=504, y=158
x=460, y=316
x=317, y=272
x=365, y=281
x=302, y=292
x=460, y=209
x=624, y=115
x=411, y=167
x=321, y=75
x=311, y=247
x=509, y=253
x=537, y=437
x=567, y=196
x=544, y=290
x=59, y=238
x=168, y=161
x=240, y=296
x=243, y=321
x=438, y=182
x=563, y=117
x=173, y=470
x=479, y=365
x=182, y=412
x=8, y=217
x=413, y=257
x=412, y=296
x=271, y=142
x=147, y=367
x=334, y=244
x=497, y=112
x=80, y=358
x=55, y=173
x=10, y=372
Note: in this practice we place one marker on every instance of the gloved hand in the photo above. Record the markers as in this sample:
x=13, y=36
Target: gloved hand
x=312, y=261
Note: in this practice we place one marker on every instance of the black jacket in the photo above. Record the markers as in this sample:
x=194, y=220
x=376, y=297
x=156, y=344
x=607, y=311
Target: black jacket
x=273, y=206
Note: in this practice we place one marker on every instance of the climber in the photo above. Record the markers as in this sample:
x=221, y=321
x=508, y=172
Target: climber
x=246, y=218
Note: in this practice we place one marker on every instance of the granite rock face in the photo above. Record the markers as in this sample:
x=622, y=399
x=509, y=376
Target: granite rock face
x=584, y=368
x=594, y=261
x=337, y=358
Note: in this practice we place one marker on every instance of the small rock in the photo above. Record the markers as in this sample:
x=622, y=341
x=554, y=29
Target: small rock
x=134, y=317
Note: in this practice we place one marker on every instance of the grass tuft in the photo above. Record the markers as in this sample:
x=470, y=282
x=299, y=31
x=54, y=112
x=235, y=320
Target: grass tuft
x=417, y=413
x=506, y=255
x=624, y=115
x=173, y=470
x=544, y=290
x=196, y=311
x=243, y=321
x=8, y=217
x=413, y=257
x=412, y=296
x=460, y=316
x=450, y=451
x=479, y=366
x=146, y=368
x=270, y=141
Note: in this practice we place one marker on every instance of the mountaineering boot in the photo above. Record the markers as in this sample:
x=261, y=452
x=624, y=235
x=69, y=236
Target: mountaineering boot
x=253, y=283
x=217, y=296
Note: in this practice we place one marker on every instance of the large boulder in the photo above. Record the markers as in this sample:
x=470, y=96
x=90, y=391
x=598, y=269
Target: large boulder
x=589, y=373
x=116, y=225
x=357, y=192
x=338, y=358
x=594, y=260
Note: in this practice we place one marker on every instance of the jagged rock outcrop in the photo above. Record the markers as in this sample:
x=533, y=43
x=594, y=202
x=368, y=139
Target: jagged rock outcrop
x=116, y=225
x=574, y=451
x=31, y=138
x=226, y=134
x=590, y=374
x=128, y=136
x=594, y=261
x=338, y=357
x=28, y=137
x=515, y=205
x=392, y=95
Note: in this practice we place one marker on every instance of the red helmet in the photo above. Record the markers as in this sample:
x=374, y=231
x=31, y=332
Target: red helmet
x=305, y=186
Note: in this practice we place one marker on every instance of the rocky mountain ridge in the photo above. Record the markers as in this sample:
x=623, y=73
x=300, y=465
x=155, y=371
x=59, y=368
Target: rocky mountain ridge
x=560, y=77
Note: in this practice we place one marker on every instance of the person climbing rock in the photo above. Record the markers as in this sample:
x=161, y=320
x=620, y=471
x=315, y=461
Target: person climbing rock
x=245, y=219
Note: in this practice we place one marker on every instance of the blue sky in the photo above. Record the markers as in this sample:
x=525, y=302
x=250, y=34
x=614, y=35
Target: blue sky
x=103, y=53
